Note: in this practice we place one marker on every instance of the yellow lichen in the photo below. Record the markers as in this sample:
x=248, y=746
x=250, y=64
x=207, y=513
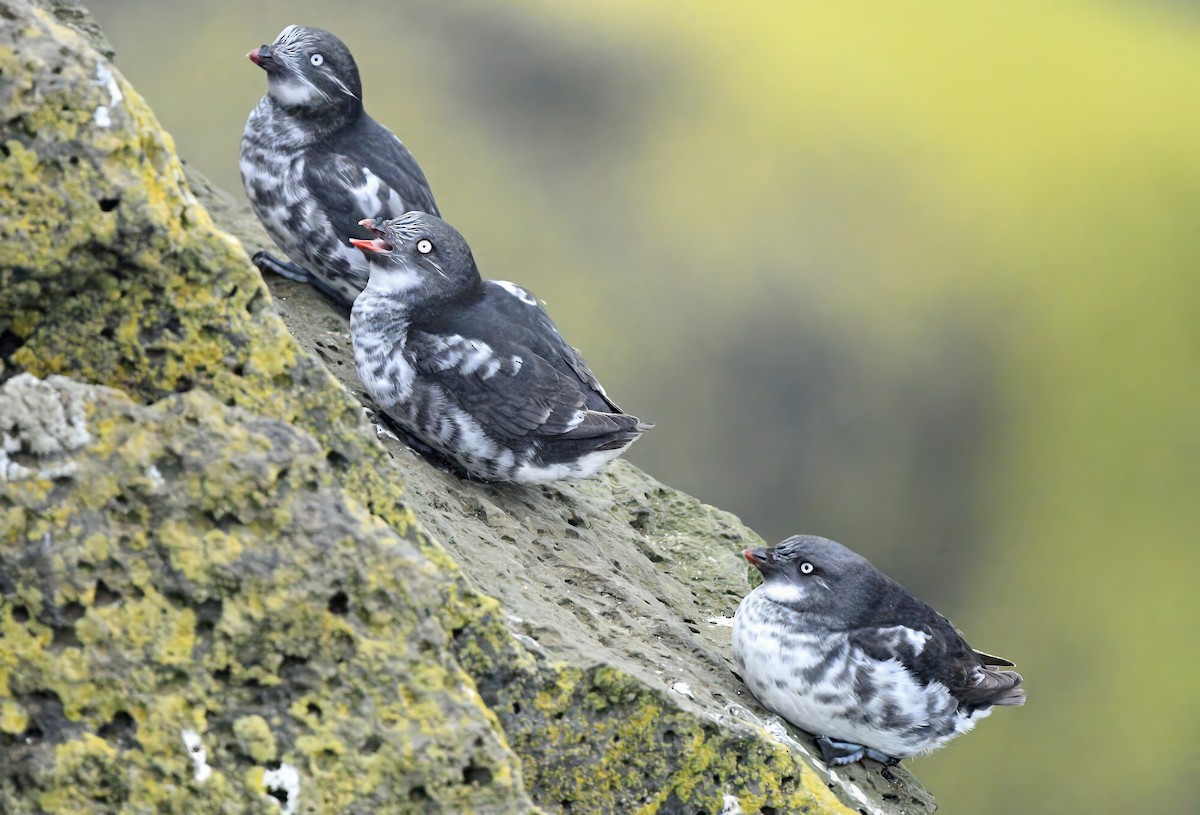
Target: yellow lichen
x=13, y=717
x=255, y=738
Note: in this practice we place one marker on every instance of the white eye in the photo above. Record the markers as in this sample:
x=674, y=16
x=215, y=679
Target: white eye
x=317, y=60
x=806, y=568
x=424, y=246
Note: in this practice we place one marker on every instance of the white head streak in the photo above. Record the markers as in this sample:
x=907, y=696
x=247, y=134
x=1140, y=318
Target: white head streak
x=297, y=90
x=288, y=35
x=342, y=85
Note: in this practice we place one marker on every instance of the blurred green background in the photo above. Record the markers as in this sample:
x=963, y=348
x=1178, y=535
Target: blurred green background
x=921, y=277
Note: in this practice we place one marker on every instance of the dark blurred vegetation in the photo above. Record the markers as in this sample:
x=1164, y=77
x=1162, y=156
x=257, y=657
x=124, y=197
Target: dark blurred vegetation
x=921, y=278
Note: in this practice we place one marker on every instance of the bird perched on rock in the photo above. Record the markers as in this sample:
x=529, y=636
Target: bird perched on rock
x=475, y=368
x=314, y=163
x=841, y=650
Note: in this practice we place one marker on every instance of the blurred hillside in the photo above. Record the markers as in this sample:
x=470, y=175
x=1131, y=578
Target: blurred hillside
x=924, y=281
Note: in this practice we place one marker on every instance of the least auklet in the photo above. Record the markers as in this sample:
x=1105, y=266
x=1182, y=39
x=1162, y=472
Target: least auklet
x=314, y=163
x=475, y=368
x=844, y=652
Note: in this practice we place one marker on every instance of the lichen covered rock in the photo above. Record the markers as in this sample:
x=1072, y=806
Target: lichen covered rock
x=193, y=604
x=215, y=595
x=613, y=576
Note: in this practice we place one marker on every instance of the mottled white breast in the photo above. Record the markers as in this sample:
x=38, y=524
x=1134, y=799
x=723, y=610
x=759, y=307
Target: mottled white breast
x=379, y=352
x=273, y=168
x=782, y=667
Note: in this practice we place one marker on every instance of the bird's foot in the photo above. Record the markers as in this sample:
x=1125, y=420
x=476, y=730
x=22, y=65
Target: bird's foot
x=266, y=262
x=838, y=753
x=882, y=758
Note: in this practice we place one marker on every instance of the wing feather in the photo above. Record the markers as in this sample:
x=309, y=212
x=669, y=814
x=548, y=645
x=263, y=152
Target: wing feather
x=944, y=654
x=512, y=392
x=366, y=172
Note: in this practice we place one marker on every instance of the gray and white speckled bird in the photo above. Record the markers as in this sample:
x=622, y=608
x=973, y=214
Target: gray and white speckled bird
x=841, y=650
x=475, y=368
x=314, y=163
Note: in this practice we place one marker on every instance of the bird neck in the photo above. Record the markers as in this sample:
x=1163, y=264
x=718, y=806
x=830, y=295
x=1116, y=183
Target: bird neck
x=378, y=311
x=296, y=126
x=432, y=307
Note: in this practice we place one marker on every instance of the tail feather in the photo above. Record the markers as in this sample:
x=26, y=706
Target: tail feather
x=992, y=687
x=989, y=659
x=626, y=436
x=1001, y=687
x=619, y=428
x=1016, y=696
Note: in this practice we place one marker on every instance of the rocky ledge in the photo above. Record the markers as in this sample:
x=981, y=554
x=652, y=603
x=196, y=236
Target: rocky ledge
x=223, y=589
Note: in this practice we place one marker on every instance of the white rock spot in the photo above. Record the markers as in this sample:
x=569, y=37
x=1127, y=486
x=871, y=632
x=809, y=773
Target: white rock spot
x=105, y=79
x=286, y=780
x=683, y=689
x=199, y=756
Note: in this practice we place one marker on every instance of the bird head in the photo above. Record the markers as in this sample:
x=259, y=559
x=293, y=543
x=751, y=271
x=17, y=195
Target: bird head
x=418, y=253
x=310, y=70
x=805, y=569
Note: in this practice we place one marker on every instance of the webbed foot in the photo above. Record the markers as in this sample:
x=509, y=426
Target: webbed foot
x=882, y=758
x=266, y=262
x=837, y=753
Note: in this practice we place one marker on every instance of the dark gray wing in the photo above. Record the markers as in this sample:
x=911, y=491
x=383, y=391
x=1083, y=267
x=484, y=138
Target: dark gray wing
x=933, y=656
x=512, y=392
x=366, y=172
x=903, y=628
x=526, y=318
